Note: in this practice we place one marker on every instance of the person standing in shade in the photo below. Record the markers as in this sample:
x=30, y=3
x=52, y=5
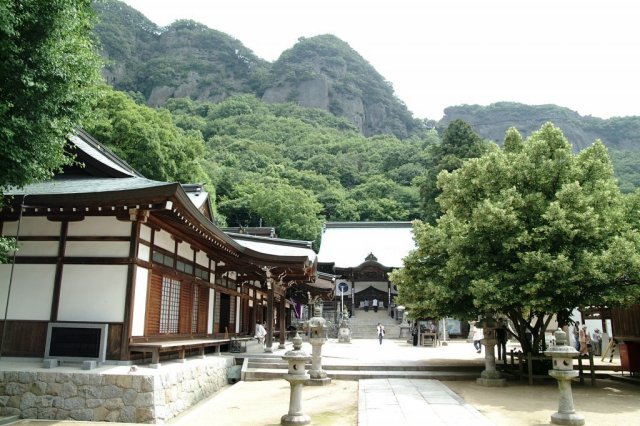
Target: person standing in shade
x=596, y=342
x=414, y=333
x=576, y=335
x=375, y=305
x=501, y=336
x=366, y=305
x=380, y=330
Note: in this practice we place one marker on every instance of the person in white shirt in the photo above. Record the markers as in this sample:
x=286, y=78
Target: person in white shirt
x=380, y=330
x=478, y=335
x=375, y=305
x=261, y=333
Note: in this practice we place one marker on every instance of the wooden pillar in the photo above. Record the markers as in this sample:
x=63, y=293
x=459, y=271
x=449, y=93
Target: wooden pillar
x=281, y=314
x=269, y=342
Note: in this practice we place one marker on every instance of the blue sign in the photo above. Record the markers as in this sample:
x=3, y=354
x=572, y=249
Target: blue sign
x=343, y=287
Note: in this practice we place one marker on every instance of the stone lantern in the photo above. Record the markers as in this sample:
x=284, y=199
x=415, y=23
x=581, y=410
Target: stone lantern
x=318, y=330
x=296, y=376
x=562, y=356
x=490, y=376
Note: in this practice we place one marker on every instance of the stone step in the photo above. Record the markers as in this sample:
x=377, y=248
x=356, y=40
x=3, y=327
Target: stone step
x=6, y=420
x=270, y=374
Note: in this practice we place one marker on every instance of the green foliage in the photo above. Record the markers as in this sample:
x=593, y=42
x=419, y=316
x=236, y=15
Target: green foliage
x=352, y=177
x=529, y=231
x=47, y=73
x=459, y=143
x=268, y=201
x=147, y=139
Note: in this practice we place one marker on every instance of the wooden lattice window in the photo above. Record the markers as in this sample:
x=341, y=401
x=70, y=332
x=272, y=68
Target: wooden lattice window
x=169, y=305
x=194, y=309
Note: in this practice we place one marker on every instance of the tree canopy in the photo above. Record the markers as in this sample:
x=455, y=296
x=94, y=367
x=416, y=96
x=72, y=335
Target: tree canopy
x=459, y=143
x=527, y=231
x=47, y=75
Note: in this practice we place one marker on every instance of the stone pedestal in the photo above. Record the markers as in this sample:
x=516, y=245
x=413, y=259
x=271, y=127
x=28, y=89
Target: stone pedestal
x=296, y=376
x=490, y=376
x=318, y=377
x=344, y=335
x=563, y=372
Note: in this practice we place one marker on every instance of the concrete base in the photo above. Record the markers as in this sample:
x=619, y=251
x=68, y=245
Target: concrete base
x=491, y=383
x=50, y=363
x=89, y=365
x=300, y=419
x=318, y=382
x=567, y=419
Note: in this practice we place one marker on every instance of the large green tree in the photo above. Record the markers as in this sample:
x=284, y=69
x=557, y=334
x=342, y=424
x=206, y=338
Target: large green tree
x=527, y=231
x=48, y=69
x=459, y=143
x=148, y=139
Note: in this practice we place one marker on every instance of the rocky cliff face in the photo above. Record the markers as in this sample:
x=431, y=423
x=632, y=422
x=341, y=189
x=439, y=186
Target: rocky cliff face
x=491, y=122
x=324, y=72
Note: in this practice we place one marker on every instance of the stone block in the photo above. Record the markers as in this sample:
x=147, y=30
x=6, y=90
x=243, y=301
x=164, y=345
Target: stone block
x=89, y=365
x=74, y=404
x=95, y=403
x=38, y=388
x=114, y=404
x=69, y=390
x=84, y=414
x=100, y=414
x=50, y=363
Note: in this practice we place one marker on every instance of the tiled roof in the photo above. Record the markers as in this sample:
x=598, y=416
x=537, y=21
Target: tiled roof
x=85, y=185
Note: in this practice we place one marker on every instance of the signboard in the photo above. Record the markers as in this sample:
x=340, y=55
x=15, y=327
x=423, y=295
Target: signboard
x=343, y=287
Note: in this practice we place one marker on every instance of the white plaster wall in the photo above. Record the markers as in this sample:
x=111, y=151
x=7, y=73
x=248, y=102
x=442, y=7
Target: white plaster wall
x=96, y=226
x=163, y=239
x=202, y=259
x=144, y=252
x=212, y=298
x=93, y=293
x=97, y=249
x=145, y=233
x=32, y=226
x=185, y=251
x=140, y=301
x=31, y=291
x=37, y=248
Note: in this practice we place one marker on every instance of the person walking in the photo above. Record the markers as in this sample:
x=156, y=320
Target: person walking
x=584, y=340
x=478, y=335
x=380, y=330
x=414, y=333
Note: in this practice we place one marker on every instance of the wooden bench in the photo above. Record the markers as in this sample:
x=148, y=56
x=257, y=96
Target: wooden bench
x=180, y=346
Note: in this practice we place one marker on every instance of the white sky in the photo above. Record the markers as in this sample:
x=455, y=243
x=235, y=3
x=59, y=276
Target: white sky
x=583, y=55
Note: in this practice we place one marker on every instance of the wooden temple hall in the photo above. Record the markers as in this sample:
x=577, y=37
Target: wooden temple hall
x=112, y=266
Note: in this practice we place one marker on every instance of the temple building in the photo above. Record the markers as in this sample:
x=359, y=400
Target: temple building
x=109, y=261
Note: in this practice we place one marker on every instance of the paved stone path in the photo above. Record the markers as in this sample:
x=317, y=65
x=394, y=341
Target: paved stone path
x=389, y=402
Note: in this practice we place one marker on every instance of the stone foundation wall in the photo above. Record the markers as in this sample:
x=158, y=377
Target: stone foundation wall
x=142, y=396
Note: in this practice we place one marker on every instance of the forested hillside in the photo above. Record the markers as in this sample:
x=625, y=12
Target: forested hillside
x=317, y=135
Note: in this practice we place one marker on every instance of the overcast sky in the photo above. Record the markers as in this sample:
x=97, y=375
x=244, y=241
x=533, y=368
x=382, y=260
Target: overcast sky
x=584, y=55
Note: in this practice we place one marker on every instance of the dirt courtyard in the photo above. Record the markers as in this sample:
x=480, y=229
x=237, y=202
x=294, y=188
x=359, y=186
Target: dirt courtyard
x=609, y=402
